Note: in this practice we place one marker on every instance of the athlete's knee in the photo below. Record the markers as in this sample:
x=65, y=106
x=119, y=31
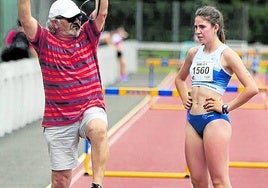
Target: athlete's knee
x=199, y=184
x=221, y=182
x=200, y=181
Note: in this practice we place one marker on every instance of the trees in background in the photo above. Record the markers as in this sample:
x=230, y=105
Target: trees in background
x=244, y=19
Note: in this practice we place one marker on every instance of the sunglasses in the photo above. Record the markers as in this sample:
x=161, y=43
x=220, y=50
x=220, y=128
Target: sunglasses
x=72, y=19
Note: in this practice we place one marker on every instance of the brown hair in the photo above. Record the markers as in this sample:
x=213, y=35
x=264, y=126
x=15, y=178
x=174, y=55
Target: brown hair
x=214, y=16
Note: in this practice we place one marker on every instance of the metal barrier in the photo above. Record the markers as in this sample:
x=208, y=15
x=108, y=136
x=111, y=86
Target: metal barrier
x=21, y=94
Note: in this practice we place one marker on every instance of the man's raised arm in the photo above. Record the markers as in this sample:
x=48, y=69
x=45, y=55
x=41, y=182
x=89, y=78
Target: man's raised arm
x=28, y=23
x=102, y=13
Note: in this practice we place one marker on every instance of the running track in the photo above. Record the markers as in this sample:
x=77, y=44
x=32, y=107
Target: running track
x=153, y=140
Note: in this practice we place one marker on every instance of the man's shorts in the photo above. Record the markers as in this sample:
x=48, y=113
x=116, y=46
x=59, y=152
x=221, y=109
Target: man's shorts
x=63, y=141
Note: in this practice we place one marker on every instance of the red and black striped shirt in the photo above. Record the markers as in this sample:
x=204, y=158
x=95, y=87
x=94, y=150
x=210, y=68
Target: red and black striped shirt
x=70, y=73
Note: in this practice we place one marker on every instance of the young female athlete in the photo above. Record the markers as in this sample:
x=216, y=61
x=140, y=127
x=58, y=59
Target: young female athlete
x=208, y=130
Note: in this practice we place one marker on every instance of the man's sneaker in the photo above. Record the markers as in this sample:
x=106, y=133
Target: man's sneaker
x=93, y=185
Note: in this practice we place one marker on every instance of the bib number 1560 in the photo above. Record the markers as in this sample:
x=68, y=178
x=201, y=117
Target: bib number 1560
x=201, y=70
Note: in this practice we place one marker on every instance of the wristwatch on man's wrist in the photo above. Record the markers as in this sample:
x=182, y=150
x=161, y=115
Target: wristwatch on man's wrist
x=224, y=109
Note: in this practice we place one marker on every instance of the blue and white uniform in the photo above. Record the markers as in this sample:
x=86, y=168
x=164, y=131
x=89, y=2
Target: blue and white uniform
x=206, y=71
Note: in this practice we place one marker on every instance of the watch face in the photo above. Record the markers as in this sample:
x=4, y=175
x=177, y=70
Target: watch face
x=224, y=109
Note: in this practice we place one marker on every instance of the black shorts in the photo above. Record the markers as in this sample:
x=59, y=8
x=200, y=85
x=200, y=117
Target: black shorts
x=119, y=54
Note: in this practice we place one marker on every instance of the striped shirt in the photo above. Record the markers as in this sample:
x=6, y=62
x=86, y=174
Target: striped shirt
x=70, y=73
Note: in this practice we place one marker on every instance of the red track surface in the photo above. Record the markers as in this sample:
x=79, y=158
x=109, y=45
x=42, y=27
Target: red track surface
x=153, y=140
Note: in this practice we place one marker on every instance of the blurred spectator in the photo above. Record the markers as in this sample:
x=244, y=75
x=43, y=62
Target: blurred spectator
x=17, y=45
x=255, y=65
x=116, y=38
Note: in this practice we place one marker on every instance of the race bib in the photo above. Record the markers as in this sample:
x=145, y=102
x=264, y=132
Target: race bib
x=202, y=71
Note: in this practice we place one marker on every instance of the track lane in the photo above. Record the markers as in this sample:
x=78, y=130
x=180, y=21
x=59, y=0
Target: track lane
x=153, y=140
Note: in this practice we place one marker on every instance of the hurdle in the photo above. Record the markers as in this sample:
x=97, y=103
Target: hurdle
x=159, y=62
x=152, y=62
x=181, y=107
x=131, y=174
x=170, y=175
x=263, y=63
x=140, y=91
x=123, y=91
x=134, y=91
x=87, y=156
x=237, y=164
x=175, y=175
x=136, y=174
x=145, y=91
x=167, y=175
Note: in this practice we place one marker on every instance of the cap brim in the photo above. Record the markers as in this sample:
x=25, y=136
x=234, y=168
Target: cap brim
x=71, y=14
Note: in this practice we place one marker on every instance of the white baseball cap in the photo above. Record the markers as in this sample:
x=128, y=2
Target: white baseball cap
x=65, y=8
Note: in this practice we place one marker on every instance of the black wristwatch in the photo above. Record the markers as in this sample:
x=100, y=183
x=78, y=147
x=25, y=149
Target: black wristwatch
x=224, y=109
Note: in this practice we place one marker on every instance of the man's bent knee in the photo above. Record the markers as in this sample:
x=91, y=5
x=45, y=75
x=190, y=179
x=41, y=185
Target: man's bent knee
x=61, y=179
x=97, y=128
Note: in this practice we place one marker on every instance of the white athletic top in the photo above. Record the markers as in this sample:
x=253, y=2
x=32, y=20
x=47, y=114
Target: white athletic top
x=206, y=70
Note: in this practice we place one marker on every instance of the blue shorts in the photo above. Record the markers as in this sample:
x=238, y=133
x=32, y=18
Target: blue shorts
x=199, y=122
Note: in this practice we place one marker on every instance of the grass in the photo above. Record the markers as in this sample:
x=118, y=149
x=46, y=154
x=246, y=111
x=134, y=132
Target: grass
x=145, y=69
x=165, y=54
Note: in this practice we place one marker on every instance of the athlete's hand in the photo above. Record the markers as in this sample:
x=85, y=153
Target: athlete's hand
x=188, y=103
x=212, y=104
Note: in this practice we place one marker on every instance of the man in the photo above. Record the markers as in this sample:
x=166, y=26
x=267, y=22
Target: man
x=74, y=104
